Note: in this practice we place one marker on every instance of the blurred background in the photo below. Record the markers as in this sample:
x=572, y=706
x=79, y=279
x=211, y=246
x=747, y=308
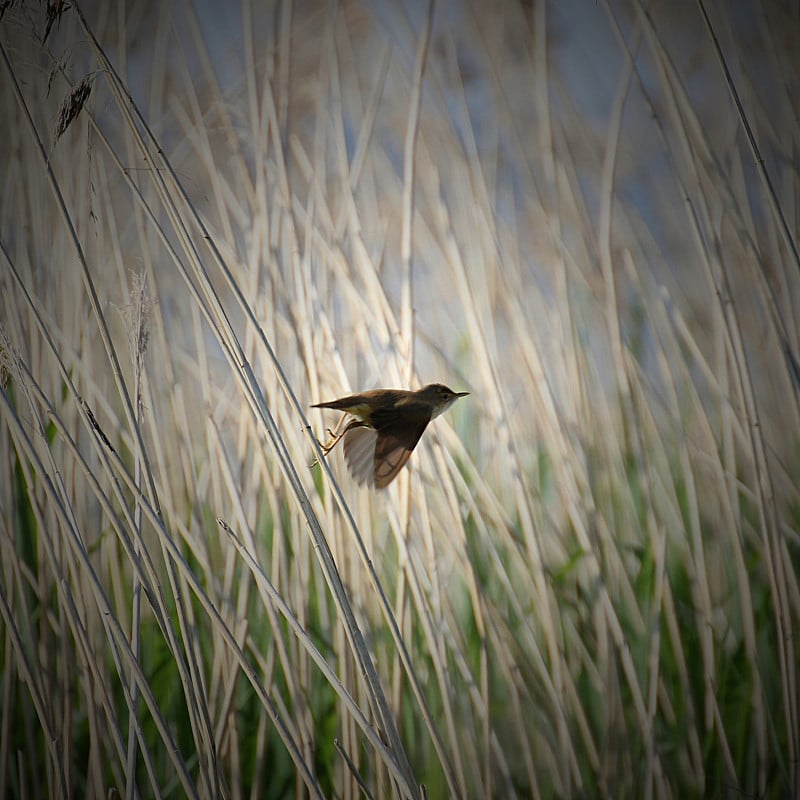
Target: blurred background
x=585, y=582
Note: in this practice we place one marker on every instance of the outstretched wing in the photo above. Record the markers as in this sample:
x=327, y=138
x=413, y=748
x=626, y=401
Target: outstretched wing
x=359, y=453
x=374, y=457
x=390, y=457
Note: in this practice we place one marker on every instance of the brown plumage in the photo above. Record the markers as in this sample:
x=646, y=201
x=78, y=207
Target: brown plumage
x=385, y=429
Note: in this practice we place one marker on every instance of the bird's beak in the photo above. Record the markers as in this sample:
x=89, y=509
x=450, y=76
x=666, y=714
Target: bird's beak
x=461, y=394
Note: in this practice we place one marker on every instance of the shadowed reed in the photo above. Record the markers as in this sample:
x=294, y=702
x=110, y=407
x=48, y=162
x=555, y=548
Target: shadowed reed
x=386, y=427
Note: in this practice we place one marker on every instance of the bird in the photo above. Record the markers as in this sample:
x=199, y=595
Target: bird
x=385, y=427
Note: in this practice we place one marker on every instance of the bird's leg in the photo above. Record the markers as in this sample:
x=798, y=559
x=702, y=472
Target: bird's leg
x=335, y=437
x=333, y=440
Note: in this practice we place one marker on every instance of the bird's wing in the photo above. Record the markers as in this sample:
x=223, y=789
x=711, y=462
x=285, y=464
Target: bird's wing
x=390, y=458
x=375, y=457
x=359, y=453
x=392, y=450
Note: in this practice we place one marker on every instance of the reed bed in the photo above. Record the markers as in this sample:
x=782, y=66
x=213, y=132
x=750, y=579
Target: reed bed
x=585, y=583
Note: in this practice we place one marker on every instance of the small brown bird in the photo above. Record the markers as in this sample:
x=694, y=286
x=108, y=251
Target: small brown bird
x=386, y=427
